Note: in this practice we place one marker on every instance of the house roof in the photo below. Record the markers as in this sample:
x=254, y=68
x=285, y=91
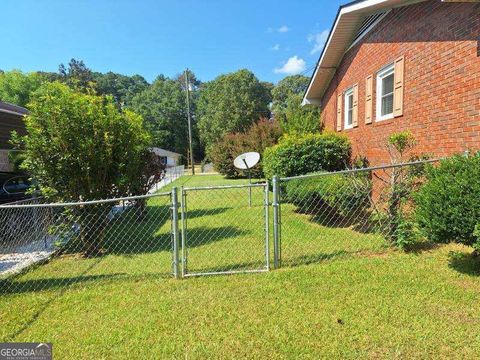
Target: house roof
x=12, y=109
x=163, y=152
x=352, y=22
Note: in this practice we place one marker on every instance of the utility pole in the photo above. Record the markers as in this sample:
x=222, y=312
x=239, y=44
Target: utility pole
x=187, y=86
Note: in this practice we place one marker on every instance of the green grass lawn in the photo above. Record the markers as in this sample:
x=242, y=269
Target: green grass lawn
x=348, y=296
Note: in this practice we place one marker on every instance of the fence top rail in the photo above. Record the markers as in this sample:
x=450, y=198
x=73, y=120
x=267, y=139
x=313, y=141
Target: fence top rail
x=349, y=171
x=218, y=187
x=80, y=203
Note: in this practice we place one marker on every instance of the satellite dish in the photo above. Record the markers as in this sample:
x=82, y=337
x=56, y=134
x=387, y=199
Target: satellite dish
x=247, y=160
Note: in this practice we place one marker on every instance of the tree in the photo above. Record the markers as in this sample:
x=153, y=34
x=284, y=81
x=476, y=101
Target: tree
x=298, y=119
x=81, y=147
x=123, y=88
x=288, y=86
x=78, y=76
x=163, y=107
x=288, y=110
x=230, y=103
x=16, y=87
x=192, y=79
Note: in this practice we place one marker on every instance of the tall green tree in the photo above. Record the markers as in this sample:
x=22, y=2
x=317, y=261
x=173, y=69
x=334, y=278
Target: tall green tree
x=164, y=109
x=286, y=105
x=230, y=103
x=284, y=89
x=77, y=75
x=298, y=119
x=123, y=88
x=17, y=87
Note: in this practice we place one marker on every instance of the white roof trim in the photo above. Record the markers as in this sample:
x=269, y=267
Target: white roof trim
x=357, y=40
x=163, y=152
x=349, y=19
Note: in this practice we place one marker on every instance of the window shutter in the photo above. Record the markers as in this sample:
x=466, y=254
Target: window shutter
x=369, y=99
x=339, y=112
x=398, y=87
x=355, y=106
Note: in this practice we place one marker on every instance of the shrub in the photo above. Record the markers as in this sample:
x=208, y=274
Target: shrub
x=476, y=244
x=222, y=155
x=81, y=147
x=447, y=206
x=297, y=155
x=259, y=136
x=345, y=194
x=406, y=233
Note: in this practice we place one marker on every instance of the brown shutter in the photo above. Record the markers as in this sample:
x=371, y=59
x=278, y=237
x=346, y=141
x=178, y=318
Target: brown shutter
x=398, y=87
x=339, y=112
x=369, y=99
x=355, y=106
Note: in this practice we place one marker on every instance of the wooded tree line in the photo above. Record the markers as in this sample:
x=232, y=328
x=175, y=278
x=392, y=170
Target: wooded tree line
x=231, y=103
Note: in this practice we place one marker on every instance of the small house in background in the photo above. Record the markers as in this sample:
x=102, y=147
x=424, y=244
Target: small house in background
x=169, y=158
x=11, y=118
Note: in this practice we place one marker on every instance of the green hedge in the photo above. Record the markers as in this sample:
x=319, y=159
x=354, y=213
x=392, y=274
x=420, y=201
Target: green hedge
x=298, y=155
x=346, y=194
x=448, y=206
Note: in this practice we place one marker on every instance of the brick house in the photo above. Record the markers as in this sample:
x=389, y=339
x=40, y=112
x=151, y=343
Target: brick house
x=396, y=65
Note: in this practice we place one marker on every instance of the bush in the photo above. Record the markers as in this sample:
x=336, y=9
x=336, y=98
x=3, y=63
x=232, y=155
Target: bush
x=259, y=136
x=222, y=155
x=447, y=206
x=80, y=147
x=476, y=244
x=297, y=155
x=345, y=194
x=406, y=233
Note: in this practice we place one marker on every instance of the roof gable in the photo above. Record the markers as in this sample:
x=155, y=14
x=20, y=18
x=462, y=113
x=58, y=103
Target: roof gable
x=353, y=21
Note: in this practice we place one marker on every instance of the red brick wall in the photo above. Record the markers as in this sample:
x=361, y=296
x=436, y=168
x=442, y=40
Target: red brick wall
x=441, y=46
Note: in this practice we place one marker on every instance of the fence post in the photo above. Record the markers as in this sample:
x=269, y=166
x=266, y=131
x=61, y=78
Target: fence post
x=176, y=268
x=276, y=222
x=267, y=225
x=184, y=231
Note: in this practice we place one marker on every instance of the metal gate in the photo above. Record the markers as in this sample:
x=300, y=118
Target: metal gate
x=224, y=229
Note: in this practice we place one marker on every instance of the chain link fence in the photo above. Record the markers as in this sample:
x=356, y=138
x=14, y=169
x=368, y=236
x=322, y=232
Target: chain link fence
x=225, y=229
x=354, y=212
x=207, y=230
x=107, y=239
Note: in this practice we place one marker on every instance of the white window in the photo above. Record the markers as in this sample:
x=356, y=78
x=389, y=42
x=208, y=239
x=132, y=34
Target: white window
x=348, y=108
x=384, y=98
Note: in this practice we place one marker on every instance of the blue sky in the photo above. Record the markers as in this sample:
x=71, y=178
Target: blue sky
x=146, y=37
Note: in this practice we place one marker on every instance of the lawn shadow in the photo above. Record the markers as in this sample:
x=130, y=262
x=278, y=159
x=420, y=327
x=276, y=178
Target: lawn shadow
x=314, y=258
x=134, y=232
x=360, y=221
x=465, y=263
x=234, y=267
x=201, y=235
x=421, y=246
x=324, y=257
x=10, y=286
x=43, y=307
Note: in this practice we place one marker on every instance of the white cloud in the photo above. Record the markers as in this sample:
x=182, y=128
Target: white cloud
x=281, y=29
x=275, y=47
x=318, y=40
x=292, y=66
